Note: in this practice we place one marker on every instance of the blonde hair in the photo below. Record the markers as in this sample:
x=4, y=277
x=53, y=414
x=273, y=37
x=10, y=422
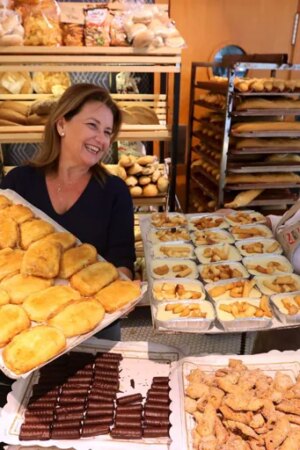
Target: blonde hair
x=70, y=104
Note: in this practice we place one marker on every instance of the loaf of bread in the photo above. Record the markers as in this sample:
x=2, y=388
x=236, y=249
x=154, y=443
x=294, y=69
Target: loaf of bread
x=12, y=116
x=20, y=107
x=263, y=103
x=265, y=126
x=263, y=178
x=279, y=142
x=243, y=198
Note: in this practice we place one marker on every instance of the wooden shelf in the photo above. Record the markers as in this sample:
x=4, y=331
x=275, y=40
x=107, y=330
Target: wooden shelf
x=159, y=200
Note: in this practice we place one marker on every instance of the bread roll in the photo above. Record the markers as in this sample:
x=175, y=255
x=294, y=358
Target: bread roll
x=175, y=41
x=143, y=180
x=7, y=123
x=126, y=160
x=131, y=181
x=143, y=39
x=135, y=169
x=12, y=116
x=150, y=190
x=22, y=108
x=136, y=191
x=16, y=82
x=147, y=159
x=11, y=39
x=121, y=172
x=35, y=119
x=162, y=184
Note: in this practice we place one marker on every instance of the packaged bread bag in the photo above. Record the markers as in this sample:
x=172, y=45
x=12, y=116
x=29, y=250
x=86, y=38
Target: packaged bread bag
x=41, y=22
x=11, y=29
x=97, y=27
x=72, y=24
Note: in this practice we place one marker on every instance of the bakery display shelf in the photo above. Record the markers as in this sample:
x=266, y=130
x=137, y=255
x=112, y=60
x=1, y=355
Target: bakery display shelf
x=263, y=150
x=206, y=157
x=19, y=133
x=213, y=143
x=263, y=167
x=206, y=189
x=211, y=106
x=267, y=112
x=213, y=86
x=268, y=94
x=199, y=170
x=267, y=134
x=246, y=186
x=158, y=200
x=270, y=197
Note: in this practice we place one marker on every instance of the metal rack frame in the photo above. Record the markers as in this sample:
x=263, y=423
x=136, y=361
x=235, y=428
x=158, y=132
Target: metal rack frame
x=228, y=112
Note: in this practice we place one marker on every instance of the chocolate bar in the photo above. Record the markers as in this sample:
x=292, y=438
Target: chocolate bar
x=94, y=430
x=134, y=398
x=126, y=433
x=65, y=433
x=156, y=432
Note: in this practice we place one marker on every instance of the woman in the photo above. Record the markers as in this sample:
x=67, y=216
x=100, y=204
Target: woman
x=66, y=181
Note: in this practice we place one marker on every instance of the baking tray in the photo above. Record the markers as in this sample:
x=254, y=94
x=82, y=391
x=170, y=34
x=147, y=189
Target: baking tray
x=141, y=362
x=74, y=341
x=182, y=423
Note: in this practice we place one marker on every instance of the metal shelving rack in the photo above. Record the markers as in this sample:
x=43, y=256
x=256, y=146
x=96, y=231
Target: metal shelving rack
x=230, y=114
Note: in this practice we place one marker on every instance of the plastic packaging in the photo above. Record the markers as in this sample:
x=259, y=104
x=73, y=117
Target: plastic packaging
x=11, y=29
x=97, y=26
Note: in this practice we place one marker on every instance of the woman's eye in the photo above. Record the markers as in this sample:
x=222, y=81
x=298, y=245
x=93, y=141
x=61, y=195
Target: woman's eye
x=92, y=125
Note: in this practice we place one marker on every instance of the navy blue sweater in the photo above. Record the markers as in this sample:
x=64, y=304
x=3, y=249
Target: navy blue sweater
x=102, y=216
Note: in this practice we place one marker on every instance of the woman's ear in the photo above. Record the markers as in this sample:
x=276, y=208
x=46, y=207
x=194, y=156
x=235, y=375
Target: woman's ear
x=60, y=126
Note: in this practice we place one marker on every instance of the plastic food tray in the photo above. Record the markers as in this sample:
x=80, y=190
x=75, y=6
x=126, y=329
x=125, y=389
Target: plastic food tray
x=263, y=260
x=192, y=218
x=280, y=310
x=266, y=243
x=220, y=236
x=254, y=217
x=171, y=248
x=254, y=292
x=262, y=231
x=232, y=255
x=232, y=265
x=188, y=284
x=169, y=264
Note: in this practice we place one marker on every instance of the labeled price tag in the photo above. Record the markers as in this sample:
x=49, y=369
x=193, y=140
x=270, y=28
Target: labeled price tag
x=72, y=13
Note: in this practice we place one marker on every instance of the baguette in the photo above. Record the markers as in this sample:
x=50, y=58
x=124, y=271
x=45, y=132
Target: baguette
x=263, y=178
x=22, y=108
x=12, y=116
x=243, y=198
x=266, y=126
x=35, y=119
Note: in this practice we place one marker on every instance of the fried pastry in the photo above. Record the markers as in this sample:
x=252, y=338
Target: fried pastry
x=19, y=213
x=44, y=304
x=91, y=279
x=4, y=201
x=19, y=287
x=33, y=347
x=76, y=259
x=9, y=232
x=10, y=262
x=13, y=320
x=79, y=317
x=64, y=238
x=33, y=230
x=4, y=297
x=118, y=294
x=42, y=259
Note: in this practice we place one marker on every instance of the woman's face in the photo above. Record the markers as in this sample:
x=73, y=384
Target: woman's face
x=87, y=136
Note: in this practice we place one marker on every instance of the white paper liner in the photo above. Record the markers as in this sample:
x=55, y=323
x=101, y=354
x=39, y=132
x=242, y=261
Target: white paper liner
x=267, y=291
x=156, y=263
x=74, y=341
x=182, y=422
x=141, y=362
x=189, y=249
x=174, y=215
x=179, y=234
x=187, y=283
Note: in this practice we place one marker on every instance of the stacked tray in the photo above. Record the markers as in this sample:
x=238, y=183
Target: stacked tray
x=214, y=280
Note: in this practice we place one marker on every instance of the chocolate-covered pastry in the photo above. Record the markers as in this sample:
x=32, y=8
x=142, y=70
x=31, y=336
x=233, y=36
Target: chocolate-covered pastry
x=65, y=433
x=154, y=422
x=156, y=432
x=129, y=415
x=126, y=433
x=94, y=430
x=107, y=355
x=31, y=435
x=156, y=407
x=157, y=414
x=129, y=408
x=134, y=398
x=127, y=422
x=94, y=404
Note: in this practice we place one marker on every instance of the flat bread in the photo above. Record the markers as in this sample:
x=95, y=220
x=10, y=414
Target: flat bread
x=4, y=202
x=118, y=294
x=20, y=213
x=13, y=320
x=266, y=126
x=9, y=232
x=19, y=287
x=42, y=259
x=79, y=317
x=96, y=276
x=263, y=178
x=64, y=238
x=33, y=347
x=44, y=304
x=76, y=259
x=10, y=262
x=33, y=230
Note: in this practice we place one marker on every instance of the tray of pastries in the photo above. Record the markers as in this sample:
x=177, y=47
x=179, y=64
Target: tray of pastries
x=168, y=220
x=156, y=236
x=258, y=246
x=222, y=271
x=234, y=288
x=250, y=231
x=267, y=264
x=173, y=250
x=278, y=284
x=219, y=252
x=204, y=221
x=287, y=307
x=49, y=305
x=173, y=268
x=187, y=315
x=236, y=402
x=244, y=313
x=211, y=236
x=174, y=289
x=245, y=217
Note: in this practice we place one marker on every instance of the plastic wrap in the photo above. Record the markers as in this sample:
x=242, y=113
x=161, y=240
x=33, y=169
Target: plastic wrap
x=11, y=29
x=97, y=26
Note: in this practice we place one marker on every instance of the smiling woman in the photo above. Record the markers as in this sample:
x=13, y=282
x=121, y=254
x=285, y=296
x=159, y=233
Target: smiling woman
x=66, y=181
